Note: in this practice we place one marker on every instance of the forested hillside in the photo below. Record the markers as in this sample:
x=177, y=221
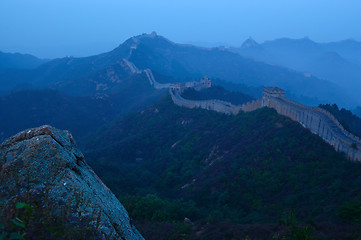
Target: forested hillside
x=81, y=115
x=19, y=61
x=244, y=169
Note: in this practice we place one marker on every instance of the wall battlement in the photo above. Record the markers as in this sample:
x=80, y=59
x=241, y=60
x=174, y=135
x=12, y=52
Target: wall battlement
x=273, y=92
x=317, y=120
x=214, y=104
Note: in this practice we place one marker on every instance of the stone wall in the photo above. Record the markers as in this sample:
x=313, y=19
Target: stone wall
x=131, y=66
x=319, y=122
x=215, y=105
x=153, y=82
x=251, y=106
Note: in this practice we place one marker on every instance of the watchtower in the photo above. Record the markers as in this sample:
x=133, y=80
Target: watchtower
x=271, y=92
x=206, y=82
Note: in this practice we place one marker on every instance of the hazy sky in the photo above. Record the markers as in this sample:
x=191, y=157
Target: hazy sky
x=56, y=28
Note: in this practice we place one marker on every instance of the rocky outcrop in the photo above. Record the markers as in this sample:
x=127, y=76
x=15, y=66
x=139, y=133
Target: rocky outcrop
x=46, y=160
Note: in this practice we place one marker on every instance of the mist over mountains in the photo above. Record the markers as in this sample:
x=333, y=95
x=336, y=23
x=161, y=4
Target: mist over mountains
x=166, y=162
x=338, y=62
x=117, y=75
x=19, y=61
x=100, y=73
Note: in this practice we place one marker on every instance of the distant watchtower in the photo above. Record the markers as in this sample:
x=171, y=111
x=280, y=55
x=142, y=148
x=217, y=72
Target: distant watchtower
x=206, y=82
x=271, y=92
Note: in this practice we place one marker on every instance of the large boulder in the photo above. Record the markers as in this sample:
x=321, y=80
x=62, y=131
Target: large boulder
x=45, y=164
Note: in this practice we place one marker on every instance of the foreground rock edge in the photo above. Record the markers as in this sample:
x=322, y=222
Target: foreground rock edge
x=48, y=156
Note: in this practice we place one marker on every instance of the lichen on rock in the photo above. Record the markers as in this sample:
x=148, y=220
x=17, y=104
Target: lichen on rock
x=45, y=163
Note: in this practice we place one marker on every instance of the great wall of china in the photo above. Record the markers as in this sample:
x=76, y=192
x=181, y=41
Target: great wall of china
x=213, y=104
x=317, y=120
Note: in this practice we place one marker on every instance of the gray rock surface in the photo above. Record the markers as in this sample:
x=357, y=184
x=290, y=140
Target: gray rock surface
x=47, y=158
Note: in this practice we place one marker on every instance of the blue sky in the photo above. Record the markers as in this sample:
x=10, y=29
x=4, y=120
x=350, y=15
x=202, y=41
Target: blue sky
x=56, y=28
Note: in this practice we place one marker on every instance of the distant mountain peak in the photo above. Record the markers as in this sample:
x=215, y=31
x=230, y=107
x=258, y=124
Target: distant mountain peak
x=250, y=43
x=152, y=35
x=146, y=35
x=20, y=61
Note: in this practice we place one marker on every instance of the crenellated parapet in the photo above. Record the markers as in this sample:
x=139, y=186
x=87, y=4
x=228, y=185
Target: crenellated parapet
x=251, y=106
x=317, y=120
x=214, y=104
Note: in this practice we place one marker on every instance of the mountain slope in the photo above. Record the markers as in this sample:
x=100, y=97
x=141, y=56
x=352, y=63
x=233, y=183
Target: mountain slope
x=173, y=60
x=81, y=115
x=337, y=62
x=251, y=48
x=72, y=76
x=350, y=49
x=246, y=168
x=19, y=61
x=357, y=111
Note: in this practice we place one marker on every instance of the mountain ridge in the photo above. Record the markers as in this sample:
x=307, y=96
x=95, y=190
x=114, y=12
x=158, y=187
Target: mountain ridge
x=29, y=108
x=19, y=61
x=338, y=62
x=150, y=51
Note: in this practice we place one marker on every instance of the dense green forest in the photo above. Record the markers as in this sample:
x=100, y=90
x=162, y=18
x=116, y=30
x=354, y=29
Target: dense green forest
x=79, y=114
x=349, y=121
x=167, y=162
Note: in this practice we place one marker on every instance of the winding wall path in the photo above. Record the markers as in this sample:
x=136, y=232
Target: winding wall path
x=215, y=105
x=318, y=121
x=153, y=82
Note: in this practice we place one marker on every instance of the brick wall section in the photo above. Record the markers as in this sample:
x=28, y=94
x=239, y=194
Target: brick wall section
x=318, y=121
x=251, y=106
x=215, y=105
